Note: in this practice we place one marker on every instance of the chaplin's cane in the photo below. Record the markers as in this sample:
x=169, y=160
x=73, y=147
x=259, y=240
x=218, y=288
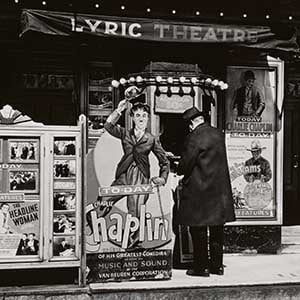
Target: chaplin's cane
x=161, y=210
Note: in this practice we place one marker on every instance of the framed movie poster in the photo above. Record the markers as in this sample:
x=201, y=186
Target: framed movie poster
x=64, y=246
x=23, y=150
x=65, y=168
x=24, y=180
x=64, y=223
x=64, y=146
x=19, y=229
x=64, y=200
x=254, y=141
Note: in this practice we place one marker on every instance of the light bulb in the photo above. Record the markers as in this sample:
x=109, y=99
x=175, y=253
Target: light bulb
x=123, y=81
x=182, y=79
x=170, y=80
x=139, y=79
x=115, y=83
x=158, y=78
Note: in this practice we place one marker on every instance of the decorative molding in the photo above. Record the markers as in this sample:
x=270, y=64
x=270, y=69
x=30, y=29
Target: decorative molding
x=10, y=116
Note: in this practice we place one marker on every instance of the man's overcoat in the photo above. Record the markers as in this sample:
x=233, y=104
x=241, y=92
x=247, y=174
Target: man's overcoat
x=206, y=196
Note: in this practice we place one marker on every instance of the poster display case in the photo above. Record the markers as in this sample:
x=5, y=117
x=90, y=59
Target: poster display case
x=65, y=218
x=41, y=175
x=254, y=139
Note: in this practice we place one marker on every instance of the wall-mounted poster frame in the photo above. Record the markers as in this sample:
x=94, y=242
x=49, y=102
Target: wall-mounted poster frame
x=254, y=140
x=22, y=242
x=29, y=210
x=66, y=180
x=23, y=150
x=24, y=180
x=64, y=168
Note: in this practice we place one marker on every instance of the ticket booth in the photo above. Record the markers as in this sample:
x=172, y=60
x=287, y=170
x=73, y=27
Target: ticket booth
x=41, y=193
x=170, y=89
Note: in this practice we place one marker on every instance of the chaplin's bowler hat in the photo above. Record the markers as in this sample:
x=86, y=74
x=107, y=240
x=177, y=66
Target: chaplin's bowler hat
x=192, y=113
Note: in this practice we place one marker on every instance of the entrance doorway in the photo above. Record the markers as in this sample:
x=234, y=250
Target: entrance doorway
x=173, y=132
x=291, y=196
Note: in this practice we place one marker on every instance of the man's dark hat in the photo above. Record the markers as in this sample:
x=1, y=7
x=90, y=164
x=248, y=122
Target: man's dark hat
x=249, y=75
x=192, y=113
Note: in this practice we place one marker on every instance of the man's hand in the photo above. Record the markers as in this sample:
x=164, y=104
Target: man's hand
x=158, y=181
x=169, y=154
x=122, y=105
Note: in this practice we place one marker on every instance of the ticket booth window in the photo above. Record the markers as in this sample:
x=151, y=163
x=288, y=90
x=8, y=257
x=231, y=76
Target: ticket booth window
x=173, y=132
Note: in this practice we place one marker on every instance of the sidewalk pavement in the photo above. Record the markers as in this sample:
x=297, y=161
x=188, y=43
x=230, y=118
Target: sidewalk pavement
x=240, y=270
x=259, y=277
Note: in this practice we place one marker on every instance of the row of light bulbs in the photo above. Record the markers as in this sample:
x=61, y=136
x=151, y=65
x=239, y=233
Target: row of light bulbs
x=197, y=13
x=44, y=3
x=148, y=10
x=208, y=82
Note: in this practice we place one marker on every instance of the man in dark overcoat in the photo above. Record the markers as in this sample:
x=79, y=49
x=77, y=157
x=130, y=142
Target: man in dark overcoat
x=206, y=201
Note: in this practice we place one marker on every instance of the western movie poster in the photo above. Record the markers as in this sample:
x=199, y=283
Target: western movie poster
x=250, y=139
x=124, y=243
x=19, y=228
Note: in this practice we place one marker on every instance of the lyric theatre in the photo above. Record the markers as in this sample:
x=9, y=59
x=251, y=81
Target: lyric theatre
x=56, y=158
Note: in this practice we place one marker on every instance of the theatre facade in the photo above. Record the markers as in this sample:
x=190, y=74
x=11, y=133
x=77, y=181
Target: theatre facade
x=64, y=73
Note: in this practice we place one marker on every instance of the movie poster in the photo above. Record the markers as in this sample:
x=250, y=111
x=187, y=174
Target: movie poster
x=122, y=245
x=19, y=228
x=251, y=112
x=19, y=191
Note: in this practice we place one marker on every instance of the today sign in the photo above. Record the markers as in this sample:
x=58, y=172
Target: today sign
x=119, y=190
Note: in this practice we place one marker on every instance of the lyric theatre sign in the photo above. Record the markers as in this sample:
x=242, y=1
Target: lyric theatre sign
x=58, y=23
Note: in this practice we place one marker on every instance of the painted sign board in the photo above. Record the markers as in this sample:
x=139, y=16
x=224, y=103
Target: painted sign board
x=122, y=245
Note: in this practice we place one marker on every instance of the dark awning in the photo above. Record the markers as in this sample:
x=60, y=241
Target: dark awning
x=67, y=24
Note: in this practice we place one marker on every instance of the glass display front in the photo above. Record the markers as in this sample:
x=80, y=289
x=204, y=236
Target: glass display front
x=19, y=197
x=64, y=197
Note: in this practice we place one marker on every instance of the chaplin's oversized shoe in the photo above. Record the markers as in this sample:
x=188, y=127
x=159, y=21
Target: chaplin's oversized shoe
x=217, y=270
x=203, y=272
